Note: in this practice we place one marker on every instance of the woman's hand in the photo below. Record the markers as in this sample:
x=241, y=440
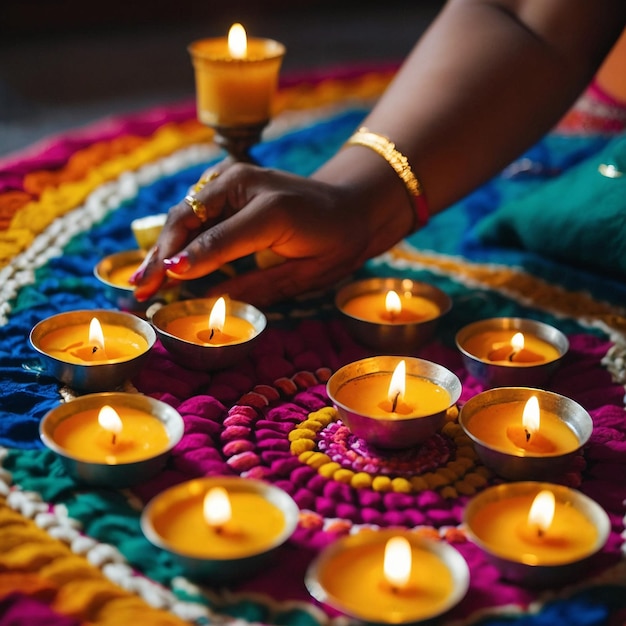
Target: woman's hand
x=314, y=226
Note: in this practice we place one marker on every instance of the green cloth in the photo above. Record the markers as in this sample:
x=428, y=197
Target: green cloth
x=579, y=217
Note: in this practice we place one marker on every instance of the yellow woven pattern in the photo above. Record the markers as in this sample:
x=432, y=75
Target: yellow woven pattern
x=32, y=562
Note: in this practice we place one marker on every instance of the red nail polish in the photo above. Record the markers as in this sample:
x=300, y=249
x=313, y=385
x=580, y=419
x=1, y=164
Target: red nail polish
x=178, y=264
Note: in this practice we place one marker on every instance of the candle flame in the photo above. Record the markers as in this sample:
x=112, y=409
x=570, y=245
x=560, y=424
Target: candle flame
x=96, y=336
x=397, y=384
x=531, y=416
x=517, y=342
x=393, y=305
x=237, y=42
x=217, y=509
x=541, y=511
x=109, y=419
x=218, y=315
x=397, y=562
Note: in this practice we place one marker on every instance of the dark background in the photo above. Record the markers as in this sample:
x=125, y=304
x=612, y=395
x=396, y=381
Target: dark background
x=66, y=63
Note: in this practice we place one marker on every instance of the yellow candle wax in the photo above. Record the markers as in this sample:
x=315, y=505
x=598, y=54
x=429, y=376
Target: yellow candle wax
x=503, y=527
x=355, y=578
x=142, y=436
x=371, y=307
x=495, y=346
x=500, y=426
x=368, y=395
x=254, y=527
x=235, y=91
x=196, y=329
x=71, y=344
x=120, y=276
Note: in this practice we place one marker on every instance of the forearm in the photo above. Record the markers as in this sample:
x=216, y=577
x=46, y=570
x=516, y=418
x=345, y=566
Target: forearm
x=486, y=81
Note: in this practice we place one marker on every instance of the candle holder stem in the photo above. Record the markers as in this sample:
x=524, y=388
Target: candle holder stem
x=238, y=140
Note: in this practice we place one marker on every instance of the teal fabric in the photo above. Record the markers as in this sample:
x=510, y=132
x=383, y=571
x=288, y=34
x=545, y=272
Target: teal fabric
x=578, y=217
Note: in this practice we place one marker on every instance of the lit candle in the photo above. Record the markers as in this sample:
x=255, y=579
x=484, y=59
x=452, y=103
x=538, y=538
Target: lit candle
x=113, y=434
x=220, y=519
x=236, y=78
x=535, y=529
x=510, y=347
x=218, y=329
x=393, y=402
x=388, y=577
x=95, y=343
x=113, y=439
x=391, y=307
x=381, y=396
x=521, y=427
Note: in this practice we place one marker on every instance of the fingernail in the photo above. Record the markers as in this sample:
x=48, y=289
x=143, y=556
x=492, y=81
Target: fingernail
x=141, y=270
x=178, y=264
x=137, y=276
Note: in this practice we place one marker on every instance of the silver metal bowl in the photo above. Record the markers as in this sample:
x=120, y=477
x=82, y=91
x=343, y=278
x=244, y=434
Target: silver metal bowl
x=527, y=465
x=123, y=296
x=522, y=374
x=392, y=338
x=96, y=376
x=206, y=357
x=451, y=558
x=393, y=433
x=104, y=474
x=216, y=569
x=544, y=575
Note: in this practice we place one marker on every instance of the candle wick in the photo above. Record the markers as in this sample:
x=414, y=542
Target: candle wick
x=211, y=333
x=527, y=435
x=394, y=403
x=540, y=531
x=94, y=350
x=512, y=356
x=113, y=438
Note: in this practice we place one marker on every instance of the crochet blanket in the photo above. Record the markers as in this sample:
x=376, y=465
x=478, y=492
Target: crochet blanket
x=71, y=554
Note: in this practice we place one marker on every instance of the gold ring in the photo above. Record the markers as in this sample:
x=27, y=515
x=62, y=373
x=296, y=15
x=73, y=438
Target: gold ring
x=197, y=207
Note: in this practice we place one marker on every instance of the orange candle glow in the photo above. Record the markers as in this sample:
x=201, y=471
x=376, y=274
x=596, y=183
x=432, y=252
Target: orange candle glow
x=399, y=396
x=220, y=523
x=523, y=428
x=120, y=276
x=236, y=78
x=535, y=529
x=97, y=343
x=391, y=308
x=112, y=435
x=218, y=329
x=392, y=581
x=509, y=347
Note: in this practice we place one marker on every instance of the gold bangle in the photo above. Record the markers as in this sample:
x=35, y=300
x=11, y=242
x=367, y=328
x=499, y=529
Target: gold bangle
x=387, y=149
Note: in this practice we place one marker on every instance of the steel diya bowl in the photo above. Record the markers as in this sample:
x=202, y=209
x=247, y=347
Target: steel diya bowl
x=492, y=374
x=92, y=376
x=392, y=432
x=525, y=570
x=399, y=338
x=114, y=475
x=207, y=565
x=527, y=465
x=113, y=272
x=197, y=356
x=356, y=550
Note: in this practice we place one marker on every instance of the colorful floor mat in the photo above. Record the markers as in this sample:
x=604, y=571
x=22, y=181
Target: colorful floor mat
x=71, y=554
